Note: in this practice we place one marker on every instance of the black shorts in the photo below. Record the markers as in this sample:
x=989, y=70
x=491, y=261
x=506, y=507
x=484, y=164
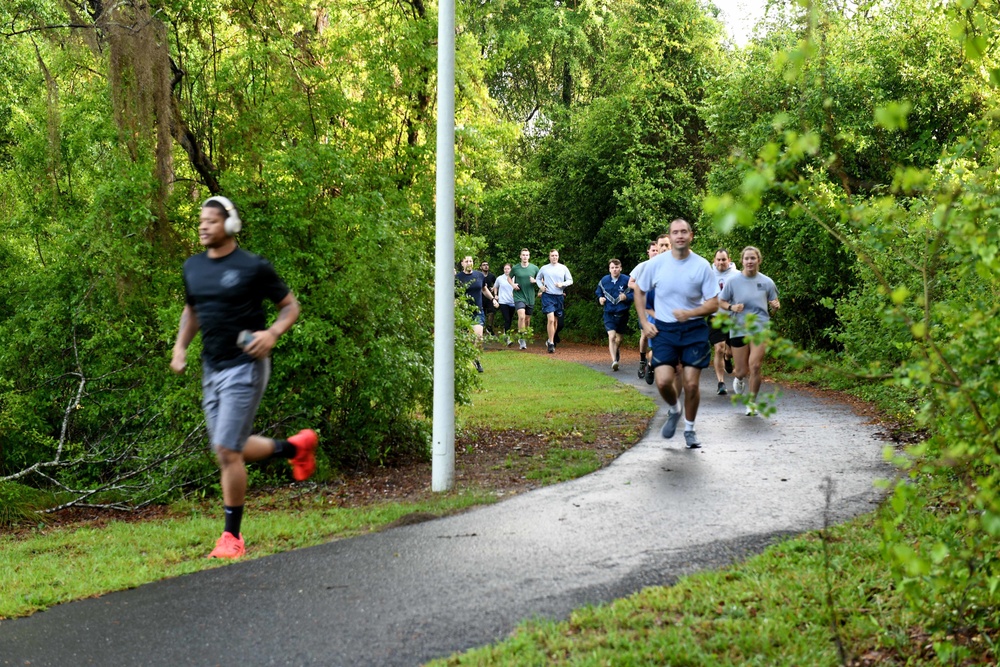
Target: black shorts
x=507, y=310
x=521, y=305
x=739, y=341
x=681, y=342
x=716, y=336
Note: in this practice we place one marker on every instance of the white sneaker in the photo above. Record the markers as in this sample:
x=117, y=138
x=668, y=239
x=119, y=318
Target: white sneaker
x=739, y=385
x=751, y=410
x=521, y=344
x=614, y=365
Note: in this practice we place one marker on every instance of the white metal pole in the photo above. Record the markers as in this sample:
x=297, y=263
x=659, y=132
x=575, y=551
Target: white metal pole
x=443, y=459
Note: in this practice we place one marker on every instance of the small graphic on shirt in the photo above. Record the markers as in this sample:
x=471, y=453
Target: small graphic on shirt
x=230, y=278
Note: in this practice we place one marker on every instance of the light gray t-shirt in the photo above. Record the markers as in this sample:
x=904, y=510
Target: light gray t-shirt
x=680, y=283
x=637, y=271
x=505, y=291
x=753, y=293
x=550, y=274
x=722, y=276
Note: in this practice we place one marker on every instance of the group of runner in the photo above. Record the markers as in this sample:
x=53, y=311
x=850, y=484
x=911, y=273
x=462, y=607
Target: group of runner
x=675, y=293
x=515, y=292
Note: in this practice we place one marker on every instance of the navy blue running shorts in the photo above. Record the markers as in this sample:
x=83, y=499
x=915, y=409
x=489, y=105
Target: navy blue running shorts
x=552, y=303
x=616, y=322
x=683, y=342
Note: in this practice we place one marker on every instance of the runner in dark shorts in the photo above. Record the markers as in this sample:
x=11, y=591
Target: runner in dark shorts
x=505, y=297
x=473, y=285
x=615, y=296
x=719, y=334
x=522, y=279
x=686, y=293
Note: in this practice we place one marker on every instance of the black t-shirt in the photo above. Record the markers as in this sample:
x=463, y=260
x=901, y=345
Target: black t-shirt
x=227, y=294
x=473, y=284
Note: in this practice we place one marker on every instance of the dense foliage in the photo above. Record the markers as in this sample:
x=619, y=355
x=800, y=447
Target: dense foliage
x=890, y=155
x=315, y=120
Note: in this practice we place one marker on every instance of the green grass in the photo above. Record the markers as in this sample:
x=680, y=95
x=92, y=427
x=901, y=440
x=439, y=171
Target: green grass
x=51, y=564
x=529, y=391
x=559, y=465
x=892, y=400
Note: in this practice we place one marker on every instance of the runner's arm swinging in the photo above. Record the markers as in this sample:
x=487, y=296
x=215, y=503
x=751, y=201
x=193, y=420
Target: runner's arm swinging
x=264, y=341
x=186, y=331
x=648, y=328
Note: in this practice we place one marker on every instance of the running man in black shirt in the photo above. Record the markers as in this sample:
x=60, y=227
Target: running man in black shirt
x=474, y=285
x=225, y=288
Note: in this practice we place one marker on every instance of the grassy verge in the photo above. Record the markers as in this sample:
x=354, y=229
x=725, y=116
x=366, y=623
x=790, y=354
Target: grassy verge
x=570, y=419
x=56, y=564
x=59, y=565
x=531, y=392
x=892, y=401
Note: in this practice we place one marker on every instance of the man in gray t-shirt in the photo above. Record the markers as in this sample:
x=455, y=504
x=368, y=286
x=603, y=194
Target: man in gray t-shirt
x=634, y=274
x=686, y=293
x=718, y=335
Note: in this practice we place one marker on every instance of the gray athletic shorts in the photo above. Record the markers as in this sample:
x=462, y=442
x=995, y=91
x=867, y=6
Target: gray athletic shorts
x=230, y=398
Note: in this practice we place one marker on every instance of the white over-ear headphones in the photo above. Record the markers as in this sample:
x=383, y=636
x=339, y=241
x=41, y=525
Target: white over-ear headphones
x=233, y=222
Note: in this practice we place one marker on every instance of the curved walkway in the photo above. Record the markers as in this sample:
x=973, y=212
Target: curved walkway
x=406, y=595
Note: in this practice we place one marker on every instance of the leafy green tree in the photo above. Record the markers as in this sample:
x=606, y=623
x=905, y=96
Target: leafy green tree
x=317, y=121
x=826, y=89
x=605, y=173
x=925, y=240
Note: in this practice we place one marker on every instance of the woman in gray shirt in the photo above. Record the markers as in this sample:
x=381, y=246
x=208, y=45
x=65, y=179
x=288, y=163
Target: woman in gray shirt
x=750, y=297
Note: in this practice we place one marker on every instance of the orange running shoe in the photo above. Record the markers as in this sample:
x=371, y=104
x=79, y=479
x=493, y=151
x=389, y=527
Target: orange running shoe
x=228, y=546
x=304, y=461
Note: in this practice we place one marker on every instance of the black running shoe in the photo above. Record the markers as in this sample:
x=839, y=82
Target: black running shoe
x=642, y=368
x=479, y=366
x=722, y=389
x=729, y=365
x=649, y=375
x=551, y=346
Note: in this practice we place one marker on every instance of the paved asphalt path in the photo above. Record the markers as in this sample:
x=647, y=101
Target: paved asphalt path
x=409, y=594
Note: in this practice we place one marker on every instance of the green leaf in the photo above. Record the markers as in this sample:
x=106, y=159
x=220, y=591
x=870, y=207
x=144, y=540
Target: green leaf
x=975, y=47
x=893, y=116
x=991, y=523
